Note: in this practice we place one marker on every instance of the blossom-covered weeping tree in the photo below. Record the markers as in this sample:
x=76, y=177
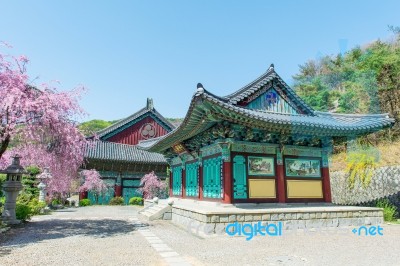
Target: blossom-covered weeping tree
x=93, y=183
x=37, y=123
x=152, y=186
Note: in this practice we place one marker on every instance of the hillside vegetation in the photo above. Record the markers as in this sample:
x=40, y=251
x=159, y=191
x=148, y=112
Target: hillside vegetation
x=363, y=80
x=90, y=127
x=366, y=79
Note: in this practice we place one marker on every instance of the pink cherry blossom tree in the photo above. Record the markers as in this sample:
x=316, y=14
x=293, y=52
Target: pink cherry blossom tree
x=38, y=123
x=152, y=186
x=93, y=183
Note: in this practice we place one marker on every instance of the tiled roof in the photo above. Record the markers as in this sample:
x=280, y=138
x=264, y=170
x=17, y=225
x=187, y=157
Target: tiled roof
x=148, y=142
x=335, y=123
x=149, y=110
x=110, y=151
x=264, y=79
x=207, y=109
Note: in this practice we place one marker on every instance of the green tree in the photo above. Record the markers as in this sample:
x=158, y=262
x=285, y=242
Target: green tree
x=30, y=182
x=363, y=80
x=90, y=127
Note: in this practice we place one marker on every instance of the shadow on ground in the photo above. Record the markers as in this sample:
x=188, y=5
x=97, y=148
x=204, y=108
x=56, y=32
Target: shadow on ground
x=34, y=232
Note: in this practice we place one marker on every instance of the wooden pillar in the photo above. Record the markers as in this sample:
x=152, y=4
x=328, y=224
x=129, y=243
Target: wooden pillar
x=118, y=190
x=170, y=183
x=200, y=181
x=118, y=186
x=83, y=195
x=227, y=172
x=183, y=181
x=326, y=184
x=280, y=177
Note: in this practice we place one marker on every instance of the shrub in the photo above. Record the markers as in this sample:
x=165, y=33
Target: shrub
x=2, y=201
x=117, y=201
x=36, y=206
x=24, y=198
x=2, y=179
x=136, y=201
x=55, y=202
x=30, y=182
x=84, y=202
x=22, y=211
x=389, y=210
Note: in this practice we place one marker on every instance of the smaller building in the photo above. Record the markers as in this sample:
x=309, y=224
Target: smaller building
x=118, y=160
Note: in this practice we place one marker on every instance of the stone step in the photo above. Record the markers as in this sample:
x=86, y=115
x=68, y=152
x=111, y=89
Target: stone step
x=146, y=213
x=156, y=212
x=156, y=208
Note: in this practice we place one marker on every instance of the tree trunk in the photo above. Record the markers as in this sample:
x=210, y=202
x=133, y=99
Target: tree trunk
x=4, y=145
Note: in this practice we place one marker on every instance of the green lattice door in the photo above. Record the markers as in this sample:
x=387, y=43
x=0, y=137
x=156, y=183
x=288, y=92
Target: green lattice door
x=130, y=189
x=192, y=180
x=105, y=197
x=177, y=181
x=212, y=177
x=239, y=177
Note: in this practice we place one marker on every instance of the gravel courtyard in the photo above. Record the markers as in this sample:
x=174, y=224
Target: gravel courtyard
x=107, y=235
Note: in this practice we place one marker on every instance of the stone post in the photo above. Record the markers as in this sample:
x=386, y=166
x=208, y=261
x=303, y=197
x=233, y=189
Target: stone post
x=42, y=192
x=42, y=185
x=11, y=188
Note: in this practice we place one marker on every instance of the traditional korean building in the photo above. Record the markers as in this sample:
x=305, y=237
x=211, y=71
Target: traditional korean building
x=118, y=160
x=262, y=143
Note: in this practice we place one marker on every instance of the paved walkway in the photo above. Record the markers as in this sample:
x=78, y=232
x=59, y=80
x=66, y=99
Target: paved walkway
x=114, y=236
x=101, y=235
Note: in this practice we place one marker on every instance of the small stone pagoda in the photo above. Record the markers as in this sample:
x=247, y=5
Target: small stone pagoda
x=262, y=143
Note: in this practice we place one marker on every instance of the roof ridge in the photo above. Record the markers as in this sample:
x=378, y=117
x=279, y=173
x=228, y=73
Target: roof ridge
x=149, y=140
x=269, y=75
x=114, y=143
x=105, y=150
x=269, y=72
x=271, y=112
x=121, y=121
x=149, y=108
x=350, y=115
x=154, y=110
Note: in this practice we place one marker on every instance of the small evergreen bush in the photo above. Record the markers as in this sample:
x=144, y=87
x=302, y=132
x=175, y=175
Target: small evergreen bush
x=2, y=179
x=2, y=201
x=23, y=211
x=36, y=206
x=389, y=210
x=55, y=202
x=117, y=201
x=84, y=202
x=30, y=182
x=136, y=201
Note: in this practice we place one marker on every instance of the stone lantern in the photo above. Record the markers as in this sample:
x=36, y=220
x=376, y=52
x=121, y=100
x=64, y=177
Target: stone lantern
x=43, y=177
x=11, y=188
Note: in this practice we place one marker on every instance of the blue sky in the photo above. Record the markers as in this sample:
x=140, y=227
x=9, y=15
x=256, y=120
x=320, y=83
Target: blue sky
x=126, y=51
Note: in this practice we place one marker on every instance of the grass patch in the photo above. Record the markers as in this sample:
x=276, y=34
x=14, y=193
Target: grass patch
x=389, y=210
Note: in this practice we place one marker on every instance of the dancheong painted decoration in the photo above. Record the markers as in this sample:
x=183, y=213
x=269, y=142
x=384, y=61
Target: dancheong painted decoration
x=116, y=157
x=262, y=143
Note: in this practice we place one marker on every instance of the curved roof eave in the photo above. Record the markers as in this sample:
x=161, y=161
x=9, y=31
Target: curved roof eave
x=204, y=103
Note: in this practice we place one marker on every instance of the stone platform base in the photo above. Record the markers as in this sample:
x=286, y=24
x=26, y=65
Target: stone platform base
x=214, y=217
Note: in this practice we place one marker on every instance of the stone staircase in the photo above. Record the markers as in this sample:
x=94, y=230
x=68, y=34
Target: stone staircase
x=156, y=211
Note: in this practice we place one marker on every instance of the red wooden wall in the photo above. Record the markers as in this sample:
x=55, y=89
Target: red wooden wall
x=132, y=135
